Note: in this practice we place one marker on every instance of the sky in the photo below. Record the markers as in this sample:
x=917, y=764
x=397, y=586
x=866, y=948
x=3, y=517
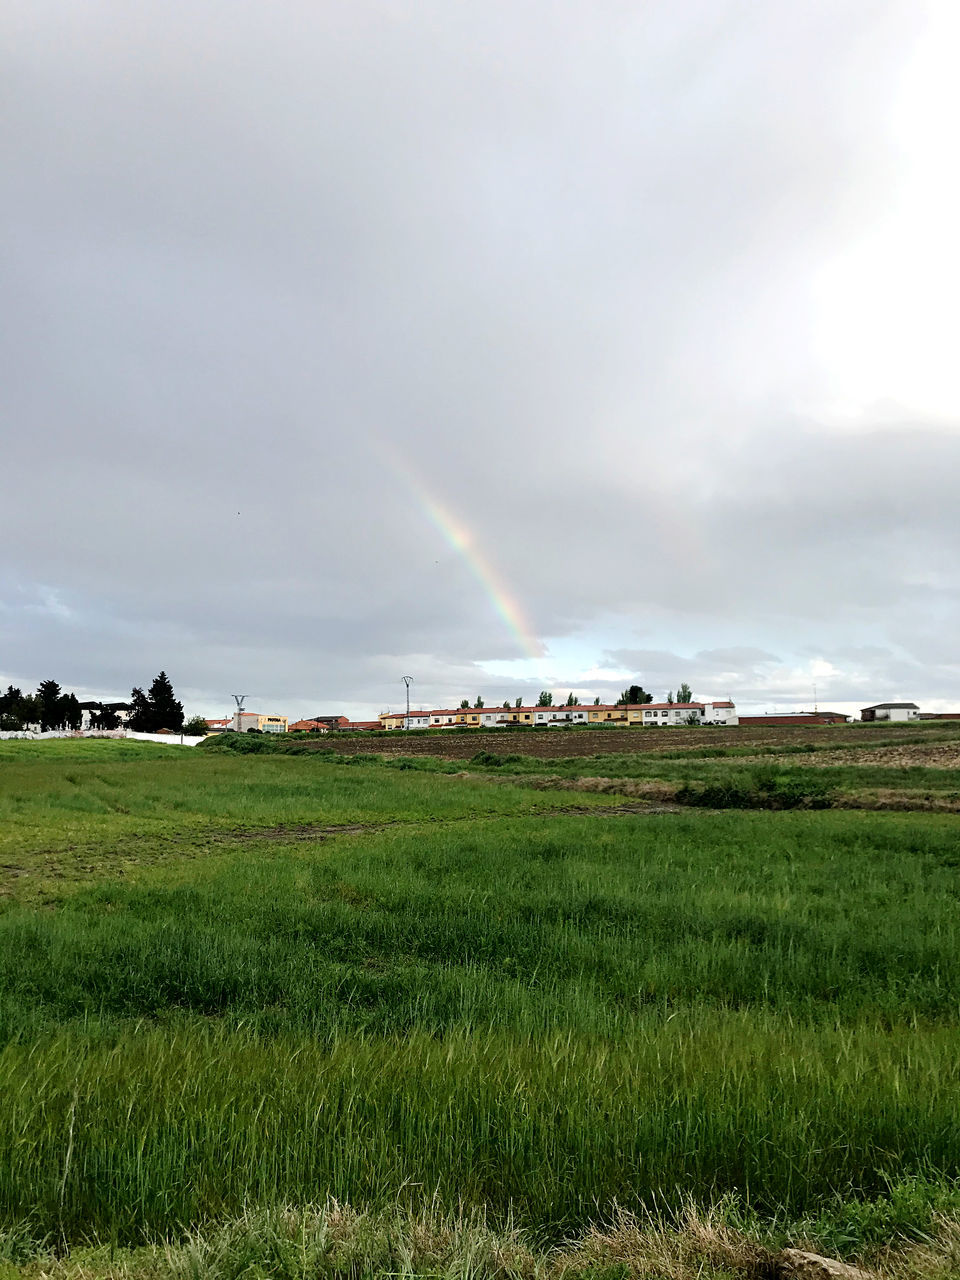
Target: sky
x=507, y=345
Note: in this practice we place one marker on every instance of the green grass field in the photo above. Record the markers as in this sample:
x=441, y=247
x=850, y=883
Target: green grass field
x=248, y=983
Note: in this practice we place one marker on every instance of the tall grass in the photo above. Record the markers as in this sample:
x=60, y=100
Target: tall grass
x=529, y=1015
x=124, y=1138
x=573, y=922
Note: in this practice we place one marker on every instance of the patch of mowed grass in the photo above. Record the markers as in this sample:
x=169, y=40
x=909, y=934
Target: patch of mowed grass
x=77, y=750
x=85, y=799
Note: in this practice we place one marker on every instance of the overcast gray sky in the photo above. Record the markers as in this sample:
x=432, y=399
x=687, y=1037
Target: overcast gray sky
x=505, y=345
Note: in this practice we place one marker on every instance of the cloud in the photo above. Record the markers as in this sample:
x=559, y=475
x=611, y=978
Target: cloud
x=570, y=265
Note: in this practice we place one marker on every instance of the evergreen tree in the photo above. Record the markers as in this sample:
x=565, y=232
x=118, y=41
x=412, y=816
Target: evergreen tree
x=141, y=716
x=506, y=704
x=13, y=709
x=596, y=702
x=571, y=700
x=70, y=713
x=684, y=693
x=545, y=699
x=167, y=711
x=518, y=703
x=465, y=704
x=105, y=719
x=634, y=696
x=479, y=703
x=49, y=705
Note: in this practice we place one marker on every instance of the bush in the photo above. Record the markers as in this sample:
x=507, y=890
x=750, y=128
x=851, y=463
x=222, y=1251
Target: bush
x=758, y=789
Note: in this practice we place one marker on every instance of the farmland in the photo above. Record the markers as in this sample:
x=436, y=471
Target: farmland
x=327, y=1007
x=460, y=744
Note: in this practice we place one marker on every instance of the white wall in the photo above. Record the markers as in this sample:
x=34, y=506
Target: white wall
x=170, y=739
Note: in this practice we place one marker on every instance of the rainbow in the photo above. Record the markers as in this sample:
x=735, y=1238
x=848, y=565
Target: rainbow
x=460, y=539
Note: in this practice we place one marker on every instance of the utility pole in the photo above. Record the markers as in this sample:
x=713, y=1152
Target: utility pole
x=408, y=681
x=238, y=699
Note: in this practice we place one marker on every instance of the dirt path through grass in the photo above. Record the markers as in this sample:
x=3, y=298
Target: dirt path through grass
x=79, y=864
x=320, y=831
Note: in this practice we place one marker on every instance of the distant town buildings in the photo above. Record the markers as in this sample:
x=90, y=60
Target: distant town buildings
x=615, y=715
x=649, y=715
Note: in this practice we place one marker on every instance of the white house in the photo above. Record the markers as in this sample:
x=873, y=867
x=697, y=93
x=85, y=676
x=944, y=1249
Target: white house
x=891, y=711
x=495, y=718
x=658, y=714
x=89, y=711
x=557, y=717
x=720, y=713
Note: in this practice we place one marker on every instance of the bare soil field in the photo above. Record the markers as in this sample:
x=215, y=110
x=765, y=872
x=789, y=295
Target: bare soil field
x=934, y=755
x=555, y=744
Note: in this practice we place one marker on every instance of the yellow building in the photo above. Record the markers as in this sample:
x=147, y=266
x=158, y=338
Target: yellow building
x=614, y=716
x=264, y=724
x=513, y=715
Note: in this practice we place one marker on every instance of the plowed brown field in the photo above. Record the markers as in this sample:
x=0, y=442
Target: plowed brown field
x=555, y=744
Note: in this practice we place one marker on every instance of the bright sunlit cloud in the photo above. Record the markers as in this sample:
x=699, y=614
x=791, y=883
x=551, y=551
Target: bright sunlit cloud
x=888, y=316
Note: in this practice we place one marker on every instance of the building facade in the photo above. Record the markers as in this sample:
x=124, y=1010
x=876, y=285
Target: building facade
x=558, y=717
x=655, y=715
x=243, y=721
x=901, y=711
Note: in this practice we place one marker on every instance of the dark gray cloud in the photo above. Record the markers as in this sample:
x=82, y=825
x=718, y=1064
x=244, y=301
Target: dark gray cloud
x=560, y=260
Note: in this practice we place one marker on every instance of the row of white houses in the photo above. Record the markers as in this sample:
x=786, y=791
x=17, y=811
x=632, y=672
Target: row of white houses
x=650, y=714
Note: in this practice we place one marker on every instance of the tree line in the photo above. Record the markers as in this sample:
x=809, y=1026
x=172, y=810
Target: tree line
x=51, y=708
